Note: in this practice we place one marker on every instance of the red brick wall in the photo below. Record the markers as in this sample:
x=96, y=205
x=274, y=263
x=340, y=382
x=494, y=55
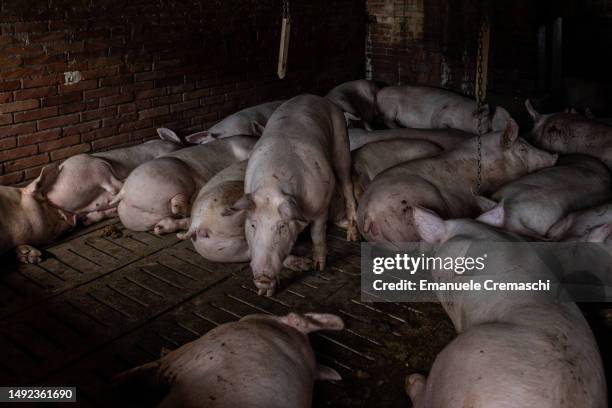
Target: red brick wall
x=182, y=64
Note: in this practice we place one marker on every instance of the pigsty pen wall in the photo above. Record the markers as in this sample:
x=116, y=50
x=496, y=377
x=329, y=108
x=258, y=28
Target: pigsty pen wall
x=86, y=76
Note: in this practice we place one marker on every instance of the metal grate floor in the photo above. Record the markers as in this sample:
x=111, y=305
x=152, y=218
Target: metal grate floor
x=98, y=305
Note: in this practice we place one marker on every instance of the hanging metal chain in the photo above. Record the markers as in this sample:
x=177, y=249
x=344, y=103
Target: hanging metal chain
x=480, y=97
x=286, y=11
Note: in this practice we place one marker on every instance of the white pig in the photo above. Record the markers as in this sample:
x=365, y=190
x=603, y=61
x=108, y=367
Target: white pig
x=248, y=122
x=514, y=349
x=158, y=195
x=568, y=133
x=87, y=183
x=27, y=219
x=290, y=181
x=261, y=361
x=444, y=183
x=580, y=223
x=357, y=99
x=445, y=138
x=534, y=203
x=430, y=108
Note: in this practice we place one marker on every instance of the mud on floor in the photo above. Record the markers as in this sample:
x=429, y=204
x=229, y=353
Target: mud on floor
x=105, y=300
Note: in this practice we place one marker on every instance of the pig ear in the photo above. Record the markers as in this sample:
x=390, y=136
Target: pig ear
x=370, y=227
x=290, y=210
x=501, y=118
x=485, y=204
x=245, y=203
x=199, y=138
x=511, y=134
x=259, y=129
x=325, y=373
x=430, y=227
x=599, y=234
x=535, y=115
x=42, y=183
x=311, y=322
x=588, y=113
x=168, y=135
x=558, y=231
x=495, y=217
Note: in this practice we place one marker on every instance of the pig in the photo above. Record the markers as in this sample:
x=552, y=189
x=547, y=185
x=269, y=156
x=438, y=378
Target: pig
x=289, y=183
x=158, y=194
x=247, y=122
x=87, y=183
x=261, y=361
x=221, y=238
x=568, y=133
x=357, y=99
x=513, y=349
x=430, y=108
x=445, y=138
x=28, y=219
x=444, y=183
x=534, y=203
x=580, y=223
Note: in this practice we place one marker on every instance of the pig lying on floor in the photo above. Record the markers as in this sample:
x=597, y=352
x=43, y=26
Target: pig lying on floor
x=357, y=99
x=247, y=122
x=158, y=195
x=261, y=361
x=535, y=202
x=568, y=133
x=444, y=183
x=86, y=184
x=27, y=218
x=514, y=349
x=423, y=107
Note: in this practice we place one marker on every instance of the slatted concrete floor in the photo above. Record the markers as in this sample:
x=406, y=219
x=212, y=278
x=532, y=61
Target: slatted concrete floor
x=98, y=305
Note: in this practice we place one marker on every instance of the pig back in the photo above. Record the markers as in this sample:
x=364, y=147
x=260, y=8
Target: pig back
x=125, y=160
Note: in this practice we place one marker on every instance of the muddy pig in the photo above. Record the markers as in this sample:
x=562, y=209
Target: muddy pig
x=535, y=202
x=261, y=361
x=513, y=349
x=290, y=180
x=158, y=195
x=444, y=183
x=27, y=218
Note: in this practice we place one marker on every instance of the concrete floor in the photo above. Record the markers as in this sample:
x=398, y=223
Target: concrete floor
x=105, y=300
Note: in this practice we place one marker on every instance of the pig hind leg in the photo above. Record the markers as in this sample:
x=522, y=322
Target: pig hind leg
x=179, y=205
x=97, y=216
x=297, y=263
x=169, y=225
x=28, y=255
x=342, y=168
x=319, y=242
x=415, y=388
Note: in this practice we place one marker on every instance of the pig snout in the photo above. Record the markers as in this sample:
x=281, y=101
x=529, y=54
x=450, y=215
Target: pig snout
x=266, y=283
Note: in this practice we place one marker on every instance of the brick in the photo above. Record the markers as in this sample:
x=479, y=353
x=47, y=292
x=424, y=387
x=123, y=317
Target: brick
x=99, y=134
x=81, y=128
x=6, y=119
x=184, y=106
x=110, y=141
x=39, y=137
x=62, y=99
x=17, y=129
x=79, y=86
x=149, y=113
x=70, y=151
x=60, y=143
x=19, y=106
x=101, y=93
x=116, y=100
x=6, y=97
x=18, y=153
x=58, y=121
x=26, y=162
x=35, y=114
x=12, y=178
x=135, y=125
x=8, y=143
x=10, y=85
x=42, y=81
x=99, y=113
x=33, y=93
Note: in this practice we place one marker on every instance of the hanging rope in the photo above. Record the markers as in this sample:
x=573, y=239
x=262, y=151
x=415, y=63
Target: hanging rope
x=283, y=52
x=482, y=64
